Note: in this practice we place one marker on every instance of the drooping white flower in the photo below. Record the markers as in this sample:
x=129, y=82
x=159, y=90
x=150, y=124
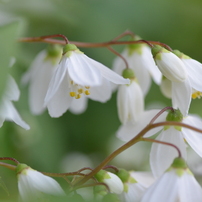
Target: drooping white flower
x=161, y=156
x=177, y=184
x=33, y=184
x=130, y=102
x=140, y=60
x=184, y=74
x=111, y=180
x=39, y=75
x=7, y=109
x=78, y=75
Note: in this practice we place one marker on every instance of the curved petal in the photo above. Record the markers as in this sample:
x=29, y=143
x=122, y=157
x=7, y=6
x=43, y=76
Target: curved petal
x=193, y=138
x=129, y=130
x=101, y=93
x=158, y=192
x=181, y=96
x=60, y=101
x=194, y=70
x=39, y=87
x=10, y=113
x=162, y=156
x=189, y=188
x=78, y=106
x=12, y=91
x=82, y=70
x=56, y=80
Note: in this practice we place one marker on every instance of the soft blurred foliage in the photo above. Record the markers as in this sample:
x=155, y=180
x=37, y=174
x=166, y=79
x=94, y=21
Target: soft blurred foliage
x=174, y=22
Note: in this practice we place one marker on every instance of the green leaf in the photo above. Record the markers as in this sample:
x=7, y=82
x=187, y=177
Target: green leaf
x=8, y=41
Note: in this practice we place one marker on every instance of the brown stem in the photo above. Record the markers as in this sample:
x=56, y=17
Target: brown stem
x=10, y=159
x=119, y=55
x=127, y=32
x=165, y=143
x=159, y=113
x=92, y=45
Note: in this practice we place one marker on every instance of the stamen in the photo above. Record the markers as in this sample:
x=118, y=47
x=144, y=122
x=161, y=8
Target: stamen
x=87, y=87
x=87, y=92
x=80, y=90
x=196, y=94
x=72, y=94
x=78, y=96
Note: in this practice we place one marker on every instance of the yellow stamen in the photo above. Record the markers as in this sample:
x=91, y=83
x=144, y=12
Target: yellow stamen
x=197, y=94
x=87, y=87
x=87, y=92
x=80, y=90
x=72, y=94
x=78, y=96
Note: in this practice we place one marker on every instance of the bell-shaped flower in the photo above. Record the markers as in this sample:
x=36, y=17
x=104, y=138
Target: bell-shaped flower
x=140, y=60
x=7, y=109
x=130, y=102
x=111, y=180
x=33, y=184
x=78, y=75
x=161, y=156
x=184, y=74
x=177, y=184
x=39, y=75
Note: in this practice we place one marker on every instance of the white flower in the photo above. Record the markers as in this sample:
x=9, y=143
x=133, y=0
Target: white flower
x=140, y=60
x=7, y=109
x=111, y=180
x=166, y=87
x=175, y=185
x=78, y=75
x=39, y=76
x=130, y=102
x=32, y=184
x=161, y=156
x=184, y=74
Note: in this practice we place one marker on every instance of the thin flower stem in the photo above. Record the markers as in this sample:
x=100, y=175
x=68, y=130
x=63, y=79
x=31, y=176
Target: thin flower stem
x=92, y=45
x=127, y=32
x=119, y=55
x=9, y=166
x=136, y=139
x=112, y=167
x=10, y=159
x=63, y=174
x=159, y=113
x=165, y=143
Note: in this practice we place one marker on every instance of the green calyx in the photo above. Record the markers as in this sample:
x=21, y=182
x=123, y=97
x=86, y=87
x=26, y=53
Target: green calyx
x=100, y=189
x=123, y=175
x=101, y=175
x=174, y=115
x=135, y=47
x=111, y=198
x=21, y=168
x=179, y=163
x=69, y=47
x=157, y=50
x=54, y=51
x=180, y=54
x=128, y=73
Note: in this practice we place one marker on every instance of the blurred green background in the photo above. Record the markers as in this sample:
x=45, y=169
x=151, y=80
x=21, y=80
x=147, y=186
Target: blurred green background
x=174, y=22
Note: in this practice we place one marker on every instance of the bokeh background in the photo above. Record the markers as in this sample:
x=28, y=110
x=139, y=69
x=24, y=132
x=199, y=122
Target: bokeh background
x=92, y=134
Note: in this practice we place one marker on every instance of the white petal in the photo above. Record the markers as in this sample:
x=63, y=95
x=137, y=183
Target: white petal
x=61, y=100
x=189, y=189
x=162, y=156
x=164, y=189
x=166, y=87
x=194, y=70
x=12, y=91
x=39, y=86
x=78, y=106
x=150, y=64
x=10, y=113
x=130, y=130
x=56, y=81
x=193, y=138
x=101, y=93
x=181, y=96
x=82, y=70
x=171, y=67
